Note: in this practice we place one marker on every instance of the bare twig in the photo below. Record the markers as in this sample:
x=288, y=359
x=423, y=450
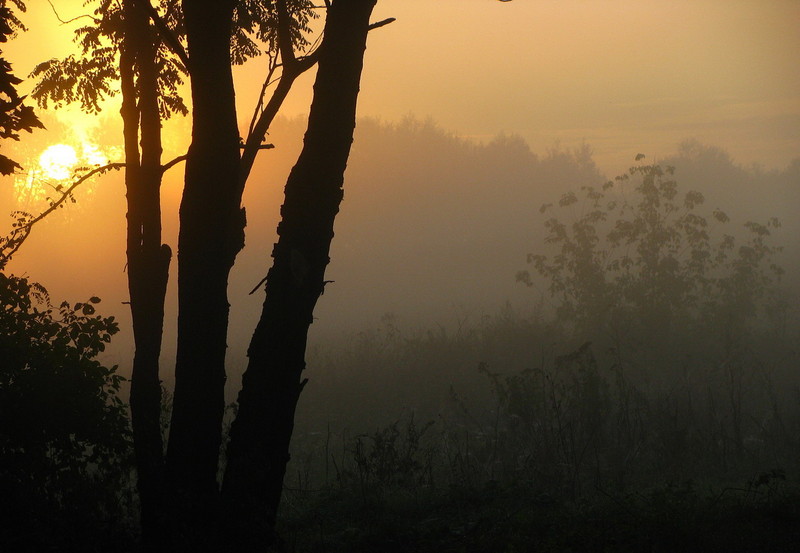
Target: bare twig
x=170, y=164
x=173, y=162
x=63, y=22
x=256, y=287
x=260, y=104
x=382, y=23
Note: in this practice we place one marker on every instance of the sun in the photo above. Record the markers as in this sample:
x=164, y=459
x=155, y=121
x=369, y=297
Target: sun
x=57, y=162
x=54, y=169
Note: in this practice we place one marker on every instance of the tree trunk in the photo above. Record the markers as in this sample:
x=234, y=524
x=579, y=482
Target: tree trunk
x=211, y=234
x=148, y=259
x=260, y=435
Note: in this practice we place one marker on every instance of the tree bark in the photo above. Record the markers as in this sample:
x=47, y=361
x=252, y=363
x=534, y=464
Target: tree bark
x=148, y=259
x=211, y=234
x=260, y=435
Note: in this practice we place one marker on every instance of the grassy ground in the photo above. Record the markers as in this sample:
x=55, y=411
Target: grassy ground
x=514, y=518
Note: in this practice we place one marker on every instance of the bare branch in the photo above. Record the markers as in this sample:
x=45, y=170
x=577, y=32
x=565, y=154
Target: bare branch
x=382, y=23
x=260, y=104
x=171, y=163
x=21, y=233
x=259, y=130
x=95, y=20
x=74, y=185
x=253, y=291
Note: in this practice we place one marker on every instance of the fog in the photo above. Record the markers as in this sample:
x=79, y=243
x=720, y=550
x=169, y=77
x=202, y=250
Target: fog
x=441, y=207
x=431, y=233
x=561, y=305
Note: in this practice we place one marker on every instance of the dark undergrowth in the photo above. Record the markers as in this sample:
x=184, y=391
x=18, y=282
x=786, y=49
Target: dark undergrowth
x=571, y=448
x=515, y=517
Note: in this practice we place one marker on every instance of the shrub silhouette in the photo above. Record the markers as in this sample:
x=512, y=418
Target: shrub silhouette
x=64, y=434
x=642, y=265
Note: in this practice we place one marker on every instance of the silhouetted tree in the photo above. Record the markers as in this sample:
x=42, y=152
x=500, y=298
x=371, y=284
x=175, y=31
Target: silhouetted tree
x=147, y=76
x=14, y=115
x=212, y=225
x=148, y=258
x=211, y=235
x=147, y=59
x=260, y=435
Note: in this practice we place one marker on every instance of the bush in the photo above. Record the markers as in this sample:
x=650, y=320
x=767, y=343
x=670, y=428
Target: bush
x=64, y=433
x=642, y=268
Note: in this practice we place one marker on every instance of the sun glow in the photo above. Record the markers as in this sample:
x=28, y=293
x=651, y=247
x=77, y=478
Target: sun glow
x=57, y=162
x=54, y=170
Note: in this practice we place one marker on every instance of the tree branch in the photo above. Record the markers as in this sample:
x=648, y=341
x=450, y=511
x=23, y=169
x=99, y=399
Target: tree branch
x=169, y=37
x=253, y=141
x=381, y=23
x=73, y=186
x=24, y=229
x=267, y=81
x=63, y=22
x=173, y=162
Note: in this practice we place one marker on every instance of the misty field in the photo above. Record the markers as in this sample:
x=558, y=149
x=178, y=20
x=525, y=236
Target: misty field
x=487, y=438
x=252, y=302
x=572, y=453
x=646, y=398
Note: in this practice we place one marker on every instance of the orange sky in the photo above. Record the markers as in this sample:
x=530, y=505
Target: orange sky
x=622, y=75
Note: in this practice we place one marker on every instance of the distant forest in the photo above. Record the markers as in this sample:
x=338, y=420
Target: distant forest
x=433, y=225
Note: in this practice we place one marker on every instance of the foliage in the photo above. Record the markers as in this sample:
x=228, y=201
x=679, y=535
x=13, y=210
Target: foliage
x=759, y=512
x=64, y=433
x=14, y=115
x=570, y=456
x=640, y=260
x=391, y=457
x=257, y=20
x=92, y=76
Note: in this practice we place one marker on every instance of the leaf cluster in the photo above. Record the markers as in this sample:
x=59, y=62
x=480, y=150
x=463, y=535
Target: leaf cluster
x=93, y=75
x=14, y=115
x=11, y=20
x=256, y=21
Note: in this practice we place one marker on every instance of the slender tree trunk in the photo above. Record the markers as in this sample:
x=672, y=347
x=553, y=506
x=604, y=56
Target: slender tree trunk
x=148, y=258
x=211, y=234
x=260, y=436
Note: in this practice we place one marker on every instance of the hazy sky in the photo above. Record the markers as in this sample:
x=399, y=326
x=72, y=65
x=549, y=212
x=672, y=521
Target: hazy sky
x=622, y=75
